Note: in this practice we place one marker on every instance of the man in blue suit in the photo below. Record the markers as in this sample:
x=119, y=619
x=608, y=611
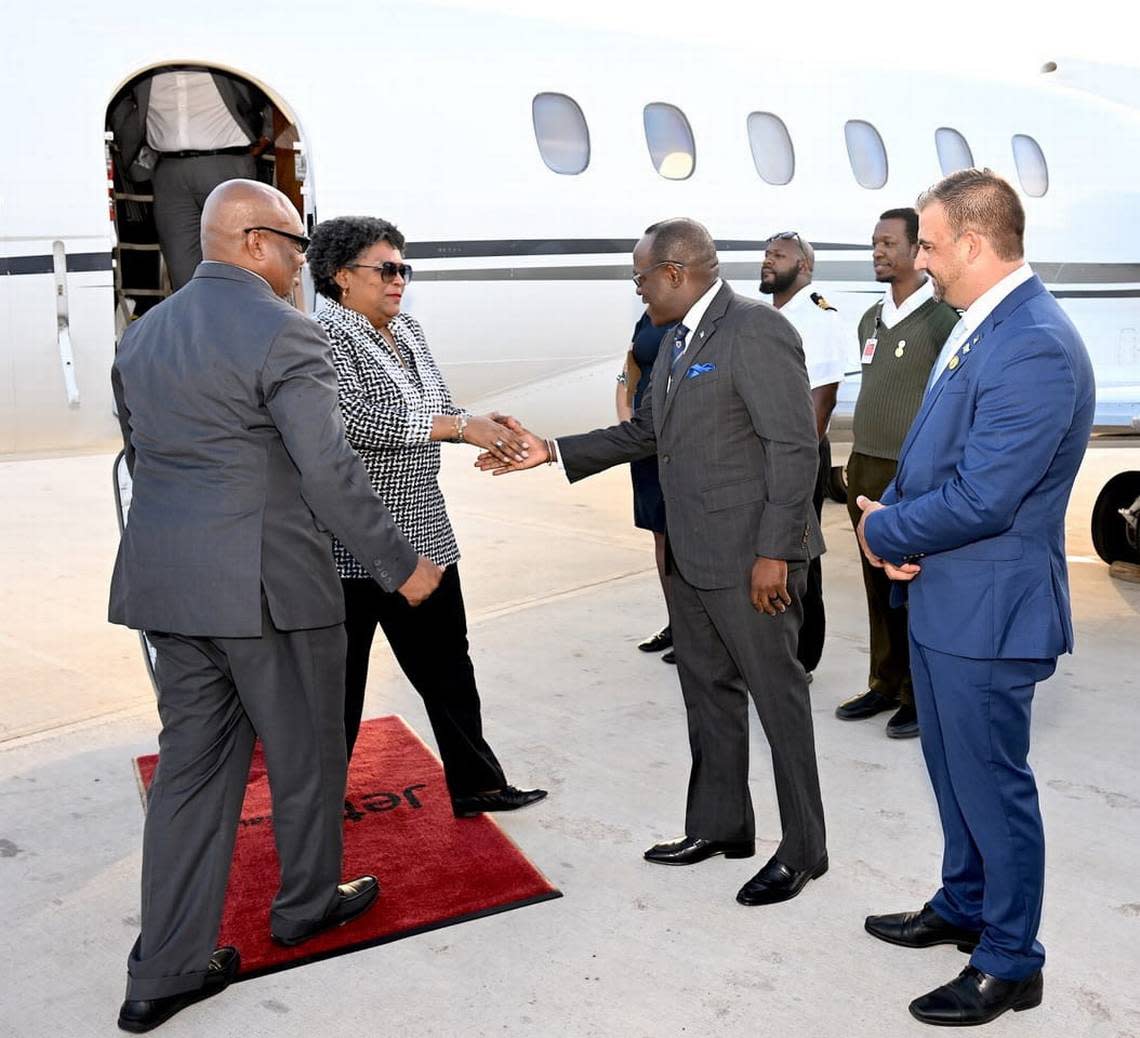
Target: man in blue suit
x=972, y=528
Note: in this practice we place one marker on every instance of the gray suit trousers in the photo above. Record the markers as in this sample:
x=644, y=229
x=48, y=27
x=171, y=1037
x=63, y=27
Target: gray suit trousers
x=215, y=696
x=725, y=648
x=180, y=190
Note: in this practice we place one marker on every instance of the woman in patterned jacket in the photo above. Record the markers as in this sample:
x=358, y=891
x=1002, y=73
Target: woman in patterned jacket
x=397, y=410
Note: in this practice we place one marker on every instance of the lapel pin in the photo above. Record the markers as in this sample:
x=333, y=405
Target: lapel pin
x=953, y=362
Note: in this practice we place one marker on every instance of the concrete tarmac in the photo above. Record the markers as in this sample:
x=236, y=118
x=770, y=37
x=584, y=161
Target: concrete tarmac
x=560, y=587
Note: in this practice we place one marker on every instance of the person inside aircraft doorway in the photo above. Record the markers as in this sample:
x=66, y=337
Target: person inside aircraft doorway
x=785, y=275
x=186, y=130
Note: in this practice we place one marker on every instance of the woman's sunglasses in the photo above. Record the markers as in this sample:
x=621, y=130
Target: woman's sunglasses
x=388, y=270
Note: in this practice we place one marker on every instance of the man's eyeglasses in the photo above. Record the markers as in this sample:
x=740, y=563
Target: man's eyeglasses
x=388, y=270
x=639, y=276
x=789, y=236
x=299, y=240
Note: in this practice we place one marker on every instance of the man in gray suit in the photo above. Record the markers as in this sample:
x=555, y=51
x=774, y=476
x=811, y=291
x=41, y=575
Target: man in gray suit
x=729, y=415
x=227, y=399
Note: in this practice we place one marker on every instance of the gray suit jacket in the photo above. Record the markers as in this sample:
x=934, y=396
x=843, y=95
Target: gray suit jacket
x=227, y=400
x=736, y=444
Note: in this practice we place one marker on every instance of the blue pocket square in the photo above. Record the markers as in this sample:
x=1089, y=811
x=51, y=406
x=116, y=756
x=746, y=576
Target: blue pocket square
x=699, y=369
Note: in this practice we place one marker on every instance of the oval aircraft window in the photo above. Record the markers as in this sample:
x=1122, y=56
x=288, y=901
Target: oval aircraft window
x=771, y=147
x=953, y=151
x=867, y=154
x=561, y=132
x=1031, y=168
x=670, y=140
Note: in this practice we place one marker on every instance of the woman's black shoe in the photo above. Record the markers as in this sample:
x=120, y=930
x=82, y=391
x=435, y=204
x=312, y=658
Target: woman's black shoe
x=506, y=799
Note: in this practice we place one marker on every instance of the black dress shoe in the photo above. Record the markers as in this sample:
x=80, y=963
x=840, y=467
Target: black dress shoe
x=506, y=799
x=691, y=849
x=141, y=1015
x=866, y=705
x=670, y=657
x=904, y=723
x=353, y=899
x=974, y=997
x=775, y=882
x=663, y=639
x=922, y=929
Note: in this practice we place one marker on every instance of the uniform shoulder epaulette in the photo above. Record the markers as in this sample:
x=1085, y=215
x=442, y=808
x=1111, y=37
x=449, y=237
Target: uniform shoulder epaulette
x=822, y=303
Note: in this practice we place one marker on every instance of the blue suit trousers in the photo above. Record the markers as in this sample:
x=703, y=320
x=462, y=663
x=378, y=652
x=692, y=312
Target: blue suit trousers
x=974, y=720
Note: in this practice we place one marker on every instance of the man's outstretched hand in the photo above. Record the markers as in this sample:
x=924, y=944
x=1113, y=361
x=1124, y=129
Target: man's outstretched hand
x=538, y=454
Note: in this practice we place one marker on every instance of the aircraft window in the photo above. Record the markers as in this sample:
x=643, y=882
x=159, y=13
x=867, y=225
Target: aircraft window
x=867, y=154
x=561, y=132
x=953, y=151
x=771, y=147
x=670, y=140
x=1031, y=168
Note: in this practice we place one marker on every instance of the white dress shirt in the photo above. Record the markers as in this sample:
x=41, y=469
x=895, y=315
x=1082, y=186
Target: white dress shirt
x=825, y=345
x=186, y=113
x=890, y=315
x=692, y=319
x=976, y=313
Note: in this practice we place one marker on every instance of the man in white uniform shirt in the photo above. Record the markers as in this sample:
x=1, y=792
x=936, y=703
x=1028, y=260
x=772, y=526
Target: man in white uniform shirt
x=785, y=275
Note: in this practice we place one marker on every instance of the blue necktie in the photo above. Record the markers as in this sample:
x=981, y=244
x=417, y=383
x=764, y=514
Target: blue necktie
x=679, y=334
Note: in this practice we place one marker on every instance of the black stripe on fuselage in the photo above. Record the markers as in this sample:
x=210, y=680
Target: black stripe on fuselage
x=77, y=263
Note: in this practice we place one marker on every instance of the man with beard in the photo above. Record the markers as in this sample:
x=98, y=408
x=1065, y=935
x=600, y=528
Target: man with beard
x=785, y=275
x=900, y=337
x=973, y=529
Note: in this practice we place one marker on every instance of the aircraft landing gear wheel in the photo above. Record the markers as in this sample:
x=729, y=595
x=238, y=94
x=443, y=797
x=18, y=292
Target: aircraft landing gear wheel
x=1116, y=519
x=837, y=484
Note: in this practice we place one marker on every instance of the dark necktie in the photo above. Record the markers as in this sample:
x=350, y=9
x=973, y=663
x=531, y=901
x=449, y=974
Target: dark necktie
x=679, y=334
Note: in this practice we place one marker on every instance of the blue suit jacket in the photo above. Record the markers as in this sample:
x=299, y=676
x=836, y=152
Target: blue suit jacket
x=983, y=483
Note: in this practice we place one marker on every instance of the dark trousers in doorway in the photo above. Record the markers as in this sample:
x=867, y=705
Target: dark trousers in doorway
x=430, y=644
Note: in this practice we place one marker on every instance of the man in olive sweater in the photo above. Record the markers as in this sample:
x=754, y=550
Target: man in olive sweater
x=899, y=338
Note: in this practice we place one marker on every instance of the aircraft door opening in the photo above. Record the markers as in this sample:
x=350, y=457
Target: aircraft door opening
x=172, y=133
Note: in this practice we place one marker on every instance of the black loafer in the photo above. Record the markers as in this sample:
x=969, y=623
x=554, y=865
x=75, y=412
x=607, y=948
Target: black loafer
x=974, y=997
x=775, y=882
x=865, y=705
x=658, y=642
x=904, y=723
x=353, y=900
x=689, y=850
x=922, y=929
x=141, y=1015
x=506, y=799
x=670, y=657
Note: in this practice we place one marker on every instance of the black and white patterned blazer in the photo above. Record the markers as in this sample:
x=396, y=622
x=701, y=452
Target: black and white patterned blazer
x=388, y=410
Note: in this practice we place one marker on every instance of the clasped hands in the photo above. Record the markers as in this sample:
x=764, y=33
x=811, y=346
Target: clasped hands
x=907, y=571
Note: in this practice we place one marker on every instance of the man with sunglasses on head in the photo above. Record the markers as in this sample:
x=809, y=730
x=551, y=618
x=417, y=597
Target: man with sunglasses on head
x=786, y=275
x=729, y=414
x=228, y=405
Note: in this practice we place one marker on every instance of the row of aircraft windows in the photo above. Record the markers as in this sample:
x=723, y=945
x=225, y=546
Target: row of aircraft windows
x=564, y=143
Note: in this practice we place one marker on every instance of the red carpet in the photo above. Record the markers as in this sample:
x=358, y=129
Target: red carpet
x=434, y=869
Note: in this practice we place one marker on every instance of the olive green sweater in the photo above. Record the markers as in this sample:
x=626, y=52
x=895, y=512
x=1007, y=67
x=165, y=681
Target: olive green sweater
x=895, y=380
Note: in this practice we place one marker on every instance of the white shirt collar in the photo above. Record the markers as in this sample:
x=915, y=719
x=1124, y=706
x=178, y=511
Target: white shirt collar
x=988, y=301
x=801, y=299
x=696, y=313
x=892, y=314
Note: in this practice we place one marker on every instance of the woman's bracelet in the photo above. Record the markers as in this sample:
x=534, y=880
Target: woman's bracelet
x=550, y=458
x=460, y=426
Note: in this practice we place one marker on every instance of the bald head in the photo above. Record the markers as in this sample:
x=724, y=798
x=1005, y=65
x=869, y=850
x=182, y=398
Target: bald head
x=236, y=208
